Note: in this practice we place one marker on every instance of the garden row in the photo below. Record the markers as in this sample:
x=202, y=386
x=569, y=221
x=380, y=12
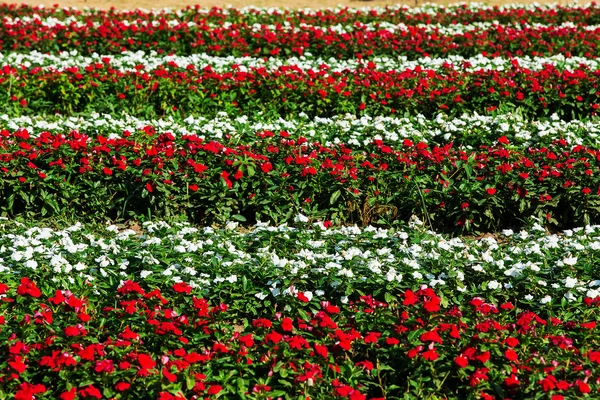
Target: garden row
x=275, y=177
x=351, y=41
x=468, y=130
x=429, y=14
x=185, y=313
x=130, y=62
x=288, y=91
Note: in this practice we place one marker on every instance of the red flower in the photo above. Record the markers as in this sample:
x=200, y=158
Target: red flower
x=193, y=188
x=432, y=305
x=27, y=391
x=122, y=386
x=225, y=176
x=410, y=298
x=182, y=287
x=511, y=355
x=430, y=355
x=548, y=383
x=273, y=337
x=214, y=389
x=491, y=191
x=512, y=381
x=431, y=336
x=170, y=376
x=70, y=395
x=287, y=324
x=391, y=341
x=414, y=352
x=247, y=340
x=149, y=187
x=18, y=364
x=107, y=171
x=262, y=323
x=583, y=387
x=128, y=334
x=92, y=392
x=266, y=167
x=71, y=331
x=302, y=297
x=3, y=288
x=146, y=362
x=503, y=140
x=461, y=361
x=321, y=350
x=372, y=337
x=483, y=357
x=28, y=287
x=588, y=325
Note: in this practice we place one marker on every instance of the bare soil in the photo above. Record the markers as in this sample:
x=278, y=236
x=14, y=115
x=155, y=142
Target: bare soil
x=313, y=4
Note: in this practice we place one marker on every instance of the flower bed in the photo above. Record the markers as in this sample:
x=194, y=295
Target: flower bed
x=288, y=91
x=488, y=188
x=462, y=119
x=103, y=317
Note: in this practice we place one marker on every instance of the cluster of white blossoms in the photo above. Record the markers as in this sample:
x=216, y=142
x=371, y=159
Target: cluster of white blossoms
x=348, y=129
x=277, y=261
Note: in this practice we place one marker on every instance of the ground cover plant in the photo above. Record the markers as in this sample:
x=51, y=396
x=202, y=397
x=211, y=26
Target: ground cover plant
x=373, y=203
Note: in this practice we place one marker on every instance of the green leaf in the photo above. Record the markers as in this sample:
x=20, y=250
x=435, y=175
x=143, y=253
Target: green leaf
x=239, y=217
x=334, y=196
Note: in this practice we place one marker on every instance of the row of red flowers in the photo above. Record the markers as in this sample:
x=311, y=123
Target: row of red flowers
x=165, y=342
x=289, y=90
x=459, y=14
x=242, y=39
x=210, y=181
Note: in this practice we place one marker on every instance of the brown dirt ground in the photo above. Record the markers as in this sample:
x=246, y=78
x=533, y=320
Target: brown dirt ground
x=314, y=4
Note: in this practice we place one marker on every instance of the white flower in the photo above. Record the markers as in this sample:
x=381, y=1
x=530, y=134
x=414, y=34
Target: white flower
x=144, y=274
x=301, y=218
x=344, y=299
x=231, y=226
x=260, y=296
x=477, y=268
x=31, y=264
x=309, y=295
x=570, y=261
x=391, y=275
x=528, y=297
x=570, y=282
x=493, y=285
x=570, y=296
x=592, y=293
x=546, y=299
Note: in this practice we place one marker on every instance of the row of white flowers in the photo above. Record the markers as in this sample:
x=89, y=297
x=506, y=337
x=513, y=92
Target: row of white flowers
x=273, y=261
x=128, y=61
x=348, y=129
